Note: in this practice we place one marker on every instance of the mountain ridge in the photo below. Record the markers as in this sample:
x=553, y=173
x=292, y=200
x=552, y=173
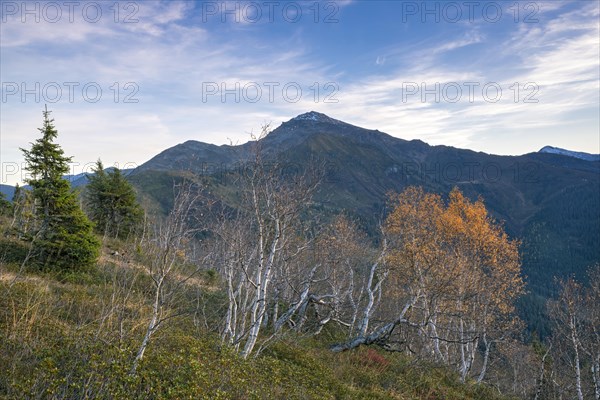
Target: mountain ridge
x=569, y=153
x=550, y=202
x=297, y=129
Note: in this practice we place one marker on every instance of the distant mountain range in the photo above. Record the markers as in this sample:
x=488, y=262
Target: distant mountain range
x=550, y=200
x=80, y=180
x=7, y=191
x=77, y=180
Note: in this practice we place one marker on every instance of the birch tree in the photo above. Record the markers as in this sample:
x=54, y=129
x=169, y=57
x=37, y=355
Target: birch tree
x=449, y=281
x=163, y=252
x=576, y=336
x=260, y=237
x=347, y=258
x=592, y=348
x=569, y=326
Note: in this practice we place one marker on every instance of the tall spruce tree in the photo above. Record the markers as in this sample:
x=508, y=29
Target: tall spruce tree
x=111, y=202
x=64, y=238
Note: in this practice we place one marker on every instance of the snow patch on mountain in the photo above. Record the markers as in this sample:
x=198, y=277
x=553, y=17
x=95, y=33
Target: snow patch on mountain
x=569, y=153
x=314, y=116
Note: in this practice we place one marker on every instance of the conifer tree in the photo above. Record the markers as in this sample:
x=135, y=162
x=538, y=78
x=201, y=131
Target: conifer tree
x=96, y=197
x=17, y=193
x=63, y=237
x=5, y=205
x=111, y=202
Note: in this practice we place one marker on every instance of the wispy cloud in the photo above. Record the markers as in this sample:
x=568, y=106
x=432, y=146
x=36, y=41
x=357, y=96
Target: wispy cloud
x=559, y=60
x=171, y=55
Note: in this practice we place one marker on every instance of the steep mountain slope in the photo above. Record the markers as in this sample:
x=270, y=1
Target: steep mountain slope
x=549, y=201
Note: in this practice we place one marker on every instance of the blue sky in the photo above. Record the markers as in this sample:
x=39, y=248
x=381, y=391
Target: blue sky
x=215, y=71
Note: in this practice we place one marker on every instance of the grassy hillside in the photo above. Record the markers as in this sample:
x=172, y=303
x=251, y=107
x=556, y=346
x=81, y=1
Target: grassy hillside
x=73, y=337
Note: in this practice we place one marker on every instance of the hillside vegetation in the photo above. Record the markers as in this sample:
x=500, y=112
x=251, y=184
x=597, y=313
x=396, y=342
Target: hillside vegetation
x=258, y=289
x=76, y=338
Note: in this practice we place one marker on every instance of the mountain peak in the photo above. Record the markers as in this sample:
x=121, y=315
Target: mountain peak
x=569, y=153
x=314, y=116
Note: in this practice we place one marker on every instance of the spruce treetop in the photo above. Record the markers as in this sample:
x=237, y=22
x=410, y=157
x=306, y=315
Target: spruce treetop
x=46, y=160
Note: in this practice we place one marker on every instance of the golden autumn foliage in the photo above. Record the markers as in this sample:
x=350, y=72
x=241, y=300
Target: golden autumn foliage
x=458, y=268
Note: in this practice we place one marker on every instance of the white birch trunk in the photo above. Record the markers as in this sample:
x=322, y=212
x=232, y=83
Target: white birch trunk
x=152, y=325
x=371, y=291
x=575, y=341
x=260, y=304
x=486, y=357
